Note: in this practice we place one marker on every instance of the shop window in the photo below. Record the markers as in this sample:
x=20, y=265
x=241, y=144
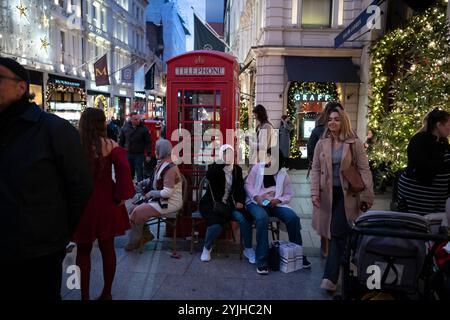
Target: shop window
x=36, y=91
x=316, y=13
x=67, y=97
x=76, y=97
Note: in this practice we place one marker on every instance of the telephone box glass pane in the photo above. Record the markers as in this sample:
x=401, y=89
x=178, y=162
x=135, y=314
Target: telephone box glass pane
x=199, y=114
x=217, y=113
x=180, y=97
x=199, y=97
x=218, y=97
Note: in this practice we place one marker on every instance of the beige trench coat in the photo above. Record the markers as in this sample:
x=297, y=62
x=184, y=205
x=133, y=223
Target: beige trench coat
x=322, y=182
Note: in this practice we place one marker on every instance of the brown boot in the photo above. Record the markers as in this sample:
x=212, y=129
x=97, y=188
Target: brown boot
x=135, y=237
x=147, y=235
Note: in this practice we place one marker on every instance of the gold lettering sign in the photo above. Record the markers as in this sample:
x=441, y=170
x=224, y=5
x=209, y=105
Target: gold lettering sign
x=99, y=72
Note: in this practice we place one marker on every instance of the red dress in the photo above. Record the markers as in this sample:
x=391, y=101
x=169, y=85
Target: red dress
x=102, y=218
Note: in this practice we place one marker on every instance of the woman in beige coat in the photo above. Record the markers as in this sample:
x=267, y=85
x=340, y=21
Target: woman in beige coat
x=334, y=205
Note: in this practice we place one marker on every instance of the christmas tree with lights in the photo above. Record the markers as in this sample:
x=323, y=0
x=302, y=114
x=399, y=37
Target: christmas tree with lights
x=417, y=82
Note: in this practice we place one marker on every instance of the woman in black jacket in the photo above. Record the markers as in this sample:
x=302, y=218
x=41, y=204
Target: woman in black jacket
x=424, y=186
x=227, y=186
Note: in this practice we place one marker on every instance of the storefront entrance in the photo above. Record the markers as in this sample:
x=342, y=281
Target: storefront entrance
x=306, y=101
x=66, y=97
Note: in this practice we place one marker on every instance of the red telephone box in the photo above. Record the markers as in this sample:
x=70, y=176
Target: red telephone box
x=154, y=127
x=202, y=93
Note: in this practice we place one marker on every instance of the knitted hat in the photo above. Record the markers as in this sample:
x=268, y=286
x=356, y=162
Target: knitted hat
x=16, y=68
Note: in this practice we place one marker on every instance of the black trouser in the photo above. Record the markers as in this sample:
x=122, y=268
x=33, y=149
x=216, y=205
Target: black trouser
x=136, y=161
x=38, y=278
x=339, y=232
x=283, y=160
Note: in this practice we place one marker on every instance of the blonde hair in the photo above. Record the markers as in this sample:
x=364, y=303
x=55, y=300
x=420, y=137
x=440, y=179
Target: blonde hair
x=346, y=126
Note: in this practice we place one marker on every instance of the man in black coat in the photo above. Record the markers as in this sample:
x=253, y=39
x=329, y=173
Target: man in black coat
x=135, y=137
x=112, y=130
x=45, y=183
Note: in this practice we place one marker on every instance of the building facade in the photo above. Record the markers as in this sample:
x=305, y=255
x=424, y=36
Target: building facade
x=116, y=28
x=175, y=29
x=289, y=62
x=58, y=41
x=155, y=84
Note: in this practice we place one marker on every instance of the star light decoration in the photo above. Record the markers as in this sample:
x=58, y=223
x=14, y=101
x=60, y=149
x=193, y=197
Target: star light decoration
x=22, y=11
x=45, y=21
x=44, y=43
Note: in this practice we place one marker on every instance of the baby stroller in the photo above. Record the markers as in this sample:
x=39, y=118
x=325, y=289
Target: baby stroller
x=391, y=255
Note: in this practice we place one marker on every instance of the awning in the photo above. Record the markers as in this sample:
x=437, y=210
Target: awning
x=321, y=69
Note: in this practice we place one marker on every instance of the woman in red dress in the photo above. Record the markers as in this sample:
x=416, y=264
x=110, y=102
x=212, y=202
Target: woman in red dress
x=105, y=216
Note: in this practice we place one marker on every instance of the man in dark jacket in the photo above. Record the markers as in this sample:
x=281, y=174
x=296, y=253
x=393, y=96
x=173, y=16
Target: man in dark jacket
x=135, y=137
x=112, y=130
x=45, y=183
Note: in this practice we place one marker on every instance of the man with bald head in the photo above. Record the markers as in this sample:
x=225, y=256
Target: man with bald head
x=45, y=182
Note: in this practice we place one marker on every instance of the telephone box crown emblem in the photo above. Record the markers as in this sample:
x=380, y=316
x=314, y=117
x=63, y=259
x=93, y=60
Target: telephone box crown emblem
x=199, y=60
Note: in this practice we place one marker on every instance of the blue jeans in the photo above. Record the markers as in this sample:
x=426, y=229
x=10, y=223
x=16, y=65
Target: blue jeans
x=286, y=215
x=136, y=162
x=213, y=231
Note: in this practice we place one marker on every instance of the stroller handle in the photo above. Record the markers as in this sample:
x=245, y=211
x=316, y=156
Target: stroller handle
x=402, y=234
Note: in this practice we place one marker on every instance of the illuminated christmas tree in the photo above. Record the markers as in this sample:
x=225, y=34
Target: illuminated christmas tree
x=418, y=81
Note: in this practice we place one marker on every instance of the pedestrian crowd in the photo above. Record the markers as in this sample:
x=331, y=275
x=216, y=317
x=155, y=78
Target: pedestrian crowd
x=60, y=184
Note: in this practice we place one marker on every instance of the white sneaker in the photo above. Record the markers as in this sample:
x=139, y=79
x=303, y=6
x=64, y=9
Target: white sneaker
x=206, y=255
x=249, y=253
x=70, y=247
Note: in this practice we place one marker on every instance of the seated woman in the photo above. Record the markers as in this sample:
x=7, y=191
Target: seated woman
x=226, y=185
x=423, y=187
x=165, y=197
x=269, y=192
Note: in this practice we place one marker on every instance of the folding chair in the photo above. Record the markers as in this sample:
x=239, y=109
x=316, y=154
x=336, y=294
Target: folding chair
x=171, y=219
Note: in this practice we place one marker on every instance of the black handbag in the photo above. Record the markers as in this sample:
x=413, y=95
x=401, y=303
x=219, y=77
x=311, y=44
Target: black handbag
x=221, y=209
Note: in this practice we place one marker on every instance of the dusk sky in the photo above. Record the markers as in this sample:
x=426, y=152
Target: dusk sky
x=214, y=10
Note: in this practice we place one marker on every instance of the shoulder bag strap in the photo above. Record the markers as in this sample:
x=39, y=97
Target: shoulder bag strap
x=210, y=189
x=352, y=155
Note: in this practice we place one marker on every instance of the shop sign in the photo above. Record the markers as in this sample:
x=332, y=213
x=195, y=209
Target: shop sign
x=200, y=71
x=97, y=31
x=99, y=88
x=66, y=83
x=312, y=97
